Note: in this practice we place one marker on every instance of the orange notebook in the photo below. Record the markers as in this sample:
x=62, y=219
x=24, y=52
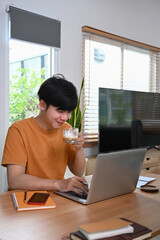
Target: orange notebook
x=20, y=205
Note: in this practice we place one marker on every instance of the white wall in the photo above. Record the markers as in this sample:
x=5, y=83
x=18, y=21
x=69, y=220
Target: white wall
x=138, y=20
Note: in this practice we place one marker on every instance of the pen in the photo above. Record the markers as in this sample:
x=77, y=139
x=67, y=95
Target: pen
x=25, y=196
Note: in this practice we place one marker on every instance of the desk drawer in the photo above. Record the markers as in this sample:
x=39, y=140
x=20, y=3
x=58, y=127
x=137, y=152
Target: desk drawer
x=154, y=169
x=151, y=162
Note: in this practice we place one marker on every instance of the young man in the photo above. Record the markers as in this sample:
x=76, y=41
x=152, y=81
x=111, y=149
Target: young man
x=35, y=154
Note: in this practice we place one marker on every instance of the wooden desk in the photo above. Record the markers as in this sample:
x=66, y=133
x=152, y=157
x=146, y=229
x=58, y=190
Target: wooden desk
x=57, y=223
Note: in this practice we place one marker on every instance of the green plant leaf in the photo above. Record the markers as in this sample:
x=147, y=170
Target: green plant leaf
x=76, y=115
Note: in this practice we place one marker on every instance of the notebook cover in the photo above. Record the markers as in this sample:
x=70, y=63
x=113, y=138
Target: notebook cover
x=106, y=225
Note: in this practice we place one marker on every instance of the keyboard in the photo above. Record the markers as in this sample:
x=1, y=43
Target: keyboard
x=83, y=196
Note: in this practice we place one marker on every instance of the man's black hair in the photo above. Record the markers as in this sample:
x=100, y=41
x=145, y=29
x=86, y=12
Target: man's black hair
x=58, y=92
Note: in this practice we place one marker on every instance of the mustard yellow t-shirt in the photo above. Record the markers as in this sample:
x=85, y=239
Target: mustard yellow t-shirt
x=42, y=152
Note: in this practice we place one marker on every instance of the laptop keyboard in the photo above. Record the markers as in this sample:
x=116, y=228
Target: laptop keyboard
x=83, y=196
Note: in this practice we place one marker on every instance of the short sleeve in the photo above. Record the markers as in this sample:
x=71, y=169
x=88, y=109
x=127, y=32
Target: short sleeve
x=14, y=149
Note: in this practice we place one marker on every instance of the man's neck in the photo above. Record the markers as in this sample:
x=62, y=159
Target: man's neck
x=39, y=119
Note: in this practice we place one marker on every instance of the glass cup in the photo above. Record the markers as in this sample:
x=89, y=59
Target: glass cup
x=70, y=135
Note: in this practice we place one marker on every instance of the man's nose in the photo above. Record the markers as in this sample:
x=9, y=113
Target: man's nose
x=66, y=116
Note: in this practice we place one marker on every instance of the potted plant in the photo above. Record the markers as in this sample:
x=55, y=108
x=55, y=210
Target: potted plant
x=76, y=116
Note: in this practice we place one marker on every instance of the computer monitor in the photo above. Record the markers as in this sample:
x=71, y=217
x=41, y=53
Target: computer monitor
x=128, y=119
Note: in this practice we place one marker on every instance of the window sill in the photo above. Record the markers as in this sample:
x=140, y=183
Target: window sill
x=90, y=144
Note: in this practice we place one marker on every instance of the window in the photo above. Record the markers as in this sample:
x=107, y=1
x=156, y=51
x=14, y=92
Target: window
x=29, y=65
x=33, y=57
x=111, y=61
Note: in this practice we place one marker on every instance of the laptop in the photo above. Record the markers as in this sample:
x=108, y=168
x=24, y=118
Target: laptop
x=115, y=174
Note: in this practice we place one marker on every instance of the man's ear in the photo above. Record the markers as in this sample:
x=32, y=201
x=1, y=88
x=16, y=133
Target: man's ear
x=42, y=105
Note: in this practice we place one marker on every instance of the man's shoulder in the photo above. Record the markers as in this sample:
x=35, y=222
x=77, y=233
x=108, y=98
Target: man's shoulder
x=22, y=123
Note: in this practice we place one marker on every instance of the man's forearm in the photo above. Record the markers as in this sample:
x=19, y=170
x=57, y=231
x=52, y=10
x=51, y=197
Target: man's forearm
x=78, y=165
x=29, y=182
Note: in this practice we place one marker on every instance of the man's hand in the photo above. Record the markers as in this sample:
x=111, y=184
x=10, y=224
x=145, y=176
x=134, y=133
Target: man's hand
x=76, y=184
x=80, y=141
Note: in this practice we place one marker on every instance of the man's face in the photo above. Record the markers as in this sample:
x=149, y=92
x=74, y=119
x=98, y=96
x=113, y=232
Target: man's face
x=54, y=118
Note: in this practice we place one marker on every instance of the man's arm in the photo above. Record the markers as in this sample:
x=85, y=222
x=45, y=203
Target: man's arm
x=77, y=167
x=18, y=179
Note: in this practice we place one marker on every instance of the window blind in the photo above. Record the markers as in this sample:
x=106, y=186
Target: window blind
x=35, y=28
x=112, y=61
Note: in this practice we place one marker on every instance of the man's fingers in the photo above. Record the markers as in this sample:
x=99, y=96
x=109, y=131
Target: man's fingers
x=81, y=185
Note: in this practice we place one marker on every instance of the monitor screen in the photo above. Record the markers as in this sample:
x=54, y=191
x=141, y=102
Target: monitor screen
x=128, y=119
